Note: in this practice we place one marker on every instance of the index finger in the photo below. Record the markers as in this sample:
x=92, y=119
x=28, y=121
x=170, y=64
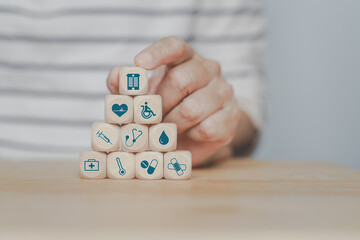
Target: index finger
x=167, y=51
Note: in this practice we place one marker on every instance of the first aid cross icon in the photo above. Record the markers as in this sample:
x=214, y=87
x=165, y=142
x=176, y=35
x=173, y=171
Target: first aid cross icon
x=91, y=165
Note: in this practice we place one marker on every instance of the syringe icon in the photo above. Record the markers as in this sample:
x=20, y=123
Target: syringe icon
x=103, y=137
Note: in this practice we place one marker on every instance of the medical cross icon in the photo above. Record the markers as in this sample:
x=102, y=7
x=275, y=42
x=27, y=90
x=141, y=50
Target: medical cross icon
x=91, y=165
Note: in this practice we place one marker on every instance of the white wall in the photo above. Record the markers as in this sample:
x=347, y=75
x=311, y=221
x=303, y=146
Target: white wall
x=313, y=81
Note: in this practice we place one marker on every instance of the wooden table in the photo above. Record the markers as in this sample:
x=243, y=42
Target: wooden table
x=239, y=197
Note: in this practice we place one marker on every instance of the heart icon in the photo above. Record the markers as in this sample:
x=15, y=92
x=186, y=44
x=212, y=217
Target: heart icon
x=119, y=109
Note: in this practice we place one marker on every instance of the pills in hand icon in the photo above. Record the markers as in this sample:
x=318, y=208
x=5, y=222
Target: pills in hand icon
x=150, y=167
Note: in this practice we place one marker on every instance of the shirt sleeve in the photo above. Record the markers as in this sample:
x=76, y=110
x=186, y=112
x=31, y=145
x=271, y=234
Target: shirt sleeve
x=236, y=40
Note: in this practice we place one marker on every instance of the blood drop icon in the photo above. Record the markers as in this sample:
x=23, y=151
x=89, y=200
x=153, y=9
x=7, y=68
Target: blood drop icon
x=163, y=139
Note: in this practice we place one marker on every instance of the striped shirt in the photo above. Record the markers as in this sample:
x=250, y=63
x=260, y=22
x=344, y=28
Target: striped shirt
x=55, y=57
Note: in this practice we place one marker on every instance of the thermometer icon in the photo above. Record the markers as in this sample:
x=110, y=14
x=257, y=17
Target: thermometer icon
x=122, y=171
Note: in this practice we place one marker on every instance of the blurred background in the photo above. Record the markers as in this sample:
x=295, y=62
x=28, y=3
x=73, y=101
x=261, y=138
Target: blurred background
x=312, y=63
x=313, y=82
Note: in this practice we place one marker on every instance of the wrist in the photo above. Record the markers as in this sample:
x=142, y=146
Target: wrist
x=246, y=136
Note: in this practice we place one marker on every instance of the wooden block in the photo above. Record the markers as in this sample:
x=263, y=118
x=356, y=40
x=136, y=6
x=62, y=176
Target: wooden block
x=119, y=109
x=105, y=137
x=147, y=109
x=133, y=81
x=121, y=165
x=177, y=165
x=163, y=137
x=134, y=138
x=92, y=165
x=149, y=165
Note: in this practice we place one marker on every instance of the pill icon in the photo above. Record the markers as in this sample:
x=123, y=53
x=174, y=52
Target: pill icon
x=144, y=164
x=152, y=166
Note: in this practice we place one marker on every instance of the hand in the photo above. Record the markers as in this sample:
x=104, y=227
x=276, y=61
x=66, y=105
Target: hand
x=195, y=96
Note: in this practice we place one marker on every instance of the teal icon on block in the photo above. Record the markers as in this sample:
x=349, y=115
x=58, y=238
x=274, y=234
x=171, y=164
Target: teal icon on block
x=176, y=166
x=150, y=167
x=135, y=135
x=119, y=109
x=122, y=170
x=146, y=111
x=133, y=82
x=91, y=165
x=163, y=139
x=103, y=137
x=144, y=164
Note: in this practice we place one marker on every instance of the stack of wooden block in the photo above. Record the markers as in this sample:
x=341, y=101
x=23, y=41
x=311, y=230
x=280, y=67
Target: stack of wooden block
x=133, y=124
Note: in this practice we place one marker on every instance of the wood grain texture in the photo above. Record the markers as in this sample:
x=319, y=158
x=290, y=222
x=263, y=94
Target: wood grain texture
x=237, y=197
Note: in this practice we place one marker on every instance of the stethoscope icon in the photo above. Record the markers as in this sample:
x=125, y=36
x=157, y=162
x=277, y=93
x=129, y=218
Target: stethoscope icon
x=134, y=138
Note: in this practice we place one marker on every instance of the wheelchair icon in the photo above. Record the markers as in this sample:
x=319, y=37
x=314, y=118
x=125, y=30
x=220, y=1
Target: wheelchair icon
x=147, y=112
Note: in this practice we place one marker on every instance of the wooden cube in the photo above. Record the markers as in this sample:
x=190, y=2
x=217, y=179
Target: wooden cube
x=147, y=109
x=92, y=165
x=134, y=138
x=149, y=165
x=105, y=137
x=133, y=81
x=177, y=165
x=119, y=109
x=120, y=165
x=163, y=137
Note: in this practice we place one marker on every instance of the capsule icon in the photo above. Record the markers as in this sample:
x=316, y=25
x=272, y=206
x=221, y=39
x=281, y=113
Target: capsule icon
x=152, y=166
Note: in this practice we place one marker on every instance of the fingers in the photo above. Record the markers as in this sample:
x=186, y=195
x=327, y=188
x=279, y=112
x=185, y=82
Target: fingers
x=219, y=127
x=167, y=51
x=183, y=80
x=113, y=80
x=199, y=105
x=201, y=151
x=156, y=78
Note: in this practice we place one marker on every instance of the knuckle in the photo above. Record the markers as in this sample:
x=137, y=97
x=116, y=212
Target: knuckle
x=190, y=110
x=171, y=38
x=214, y=66
x=178, y=81
x=226, y=91
x=207, y=130
x=178, y=44
x=226, y=140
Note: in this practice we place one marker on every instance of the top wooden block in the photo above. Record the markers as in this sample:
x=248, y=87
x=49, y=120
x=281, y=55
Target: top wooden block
x=133, y=81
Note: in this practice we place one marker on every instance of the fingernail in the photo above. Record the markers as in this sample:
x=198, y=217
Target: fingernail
x=144, y=59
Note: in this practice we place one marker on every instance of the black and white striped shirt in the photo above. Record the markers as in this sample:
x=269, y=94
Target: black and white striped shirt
x=55, y=57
